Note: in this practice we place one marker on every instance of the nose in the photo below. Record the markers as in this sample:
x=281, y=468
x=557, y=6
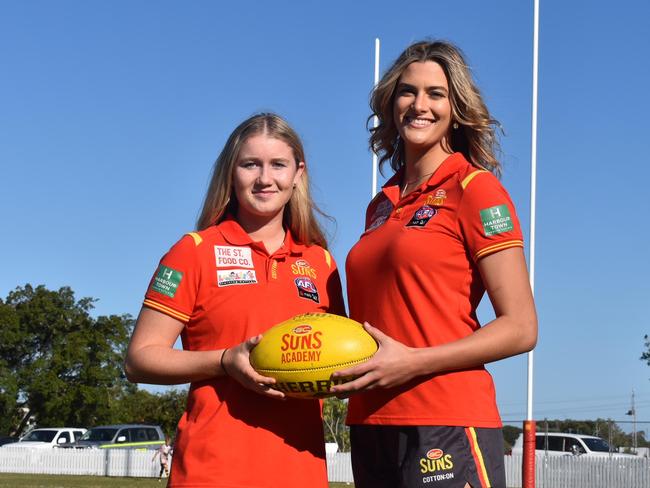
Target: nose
x=419, y=103
x=264, y=176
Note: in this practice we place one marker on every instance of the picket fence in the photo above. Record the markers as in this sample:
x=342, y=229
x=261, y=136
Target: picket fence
x=551, y=472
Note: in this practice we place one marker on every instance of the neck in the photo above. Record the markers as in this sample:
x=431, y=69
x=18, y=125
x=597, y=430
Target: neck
x=419, y=163
x=268, y=231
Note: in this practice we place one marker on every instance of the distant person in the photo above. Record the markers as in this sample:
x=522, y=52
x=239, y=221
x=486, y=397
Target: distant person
x=164, y=452
x=220, y=288
x=441, y=233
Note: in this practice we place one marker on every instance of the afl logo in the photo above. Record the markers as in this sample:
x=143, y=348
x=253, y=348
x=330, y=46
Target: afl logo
x=425, y=212
x=421, y=216
x=434, y=454
x=301, y=329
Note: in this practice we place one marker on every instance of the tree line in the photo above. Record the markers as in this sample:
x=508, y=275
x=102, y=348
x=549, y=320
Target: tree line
x=61, y=366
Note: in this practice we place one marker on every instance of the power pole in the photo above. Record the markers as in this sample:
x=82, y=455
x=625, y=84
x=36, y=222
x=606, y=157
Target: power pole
x=632, y=412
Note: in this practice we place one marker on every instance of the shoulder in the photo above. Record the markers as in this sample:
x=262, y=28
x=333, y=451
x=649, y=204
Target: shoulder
x=319, y=255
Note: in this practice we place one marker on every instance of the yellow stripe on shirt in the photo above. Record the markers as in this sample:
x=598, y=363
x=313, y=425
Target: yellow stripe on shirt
x=166, y=310
x=470, y=177
x=499, y=246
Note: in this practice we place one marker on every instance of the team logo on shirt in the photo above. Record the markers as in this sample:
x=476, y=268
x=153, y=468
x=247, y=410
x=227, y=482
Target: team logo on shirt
x=437, y=466
x=437, y=199
x=496, y=220
x=229, y=277
x=421, y=216
x=166, y=281
x=302, y=268
x=307, y=289
x=381, y=214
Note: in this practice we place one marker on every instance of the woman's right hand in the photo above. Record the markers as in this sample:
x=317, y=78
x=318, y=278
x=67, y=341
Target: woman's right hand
x=235, y=362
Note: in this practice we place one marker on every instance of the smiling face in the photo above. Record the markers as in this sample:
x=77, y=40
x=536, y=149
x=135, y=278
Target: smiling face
x=263, y=179
x=422, y=110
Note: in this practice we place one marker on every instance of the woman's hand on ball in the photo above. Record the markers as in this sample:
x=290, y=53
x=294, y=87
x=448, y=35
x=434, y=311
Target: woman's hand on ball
x=392, y=365
x=236, y=363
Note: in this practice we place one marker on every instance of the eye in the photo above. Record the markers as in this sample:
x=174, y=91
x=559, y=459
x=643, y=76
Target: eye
x=247, y=164
x=280, y=163
x=436, y=95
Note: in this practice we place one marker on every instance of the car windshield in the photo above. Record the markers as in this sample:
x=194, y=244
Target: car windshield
x=99, y=435
x=40, y=436
x=597, y=445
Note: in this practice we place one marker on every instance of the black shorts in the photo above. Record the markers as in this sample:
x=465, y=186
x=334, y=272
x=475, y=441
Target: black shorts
x=386, y=456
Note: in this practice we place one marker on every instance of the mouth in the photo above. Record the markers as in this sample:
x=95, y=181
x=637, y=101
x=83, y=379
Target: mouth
x=418, y=122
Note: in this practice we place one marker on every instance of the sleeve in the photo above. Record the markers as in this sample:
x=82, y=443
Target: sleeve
x=333, y=286
x=174, y=285
x=487, y=219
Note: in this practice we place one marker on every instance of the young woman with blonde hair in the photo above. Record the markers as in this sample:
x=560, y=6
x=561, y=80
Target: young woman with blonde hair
x=257, y=258
x=442, y=232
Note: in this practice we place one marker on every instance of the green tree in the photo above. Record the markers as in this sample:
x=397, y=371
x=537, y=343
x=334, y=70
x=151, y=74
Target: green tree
x=646, y=355
x=66, y=365
x=510, y=435
x=164, y=409
x=334, y=412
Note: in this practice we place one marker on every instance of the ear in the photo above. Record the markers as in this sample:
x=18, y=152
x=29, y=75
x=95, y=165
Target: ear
x=299, y=171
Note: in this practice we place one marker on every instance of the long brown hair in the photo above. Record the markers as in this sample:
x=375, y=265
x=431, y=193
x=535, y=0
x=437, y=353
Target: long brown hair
x=220, y=199
x=475, y=137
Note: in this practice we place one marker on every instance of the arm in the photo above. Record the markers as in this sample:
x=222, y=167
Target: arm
x=151, y=357
x=513, y=331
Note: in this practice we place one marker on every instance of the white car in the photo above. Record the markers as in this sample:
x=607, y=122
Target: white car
x=566, y=444
x=47, y=438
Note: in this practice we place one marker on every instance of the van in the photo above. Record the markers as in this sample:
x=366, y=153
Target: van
x=567, y=444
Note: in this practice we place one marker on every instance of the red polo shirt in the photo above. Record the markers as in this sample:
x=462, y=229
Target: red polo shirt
x=226, y=288
x=413, y=274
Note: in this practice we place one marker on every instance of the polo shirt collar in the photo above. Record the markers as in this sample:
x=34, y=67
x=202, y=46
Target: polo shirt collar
x=234, y=234
x=452, y=164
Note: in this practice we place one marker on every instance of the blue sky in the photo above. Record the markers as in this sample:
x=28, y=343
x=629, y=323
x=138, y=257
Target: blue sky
x=112, y=113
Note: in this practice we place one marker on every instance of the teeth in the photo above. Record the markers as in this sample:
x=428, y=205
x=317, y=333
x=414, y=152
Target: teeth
x=420, y=122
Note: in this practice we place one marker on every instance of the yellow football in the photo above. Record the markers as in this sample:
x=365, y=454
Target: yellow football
x=302, y=353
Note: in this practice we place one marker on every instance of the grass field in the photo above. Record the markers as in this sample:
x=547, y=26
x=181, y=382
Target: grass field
x=56, y=481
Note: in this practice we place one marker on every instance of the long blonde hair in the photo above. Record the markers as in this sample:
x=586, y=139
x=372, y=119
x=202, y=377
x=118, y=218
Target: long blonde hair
x=220, y=199
x=475, y=137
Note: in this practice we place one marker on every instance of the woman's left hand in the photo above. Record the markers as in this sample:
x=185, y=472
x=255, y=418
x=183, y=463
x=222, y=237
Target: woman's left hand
x=392, y=364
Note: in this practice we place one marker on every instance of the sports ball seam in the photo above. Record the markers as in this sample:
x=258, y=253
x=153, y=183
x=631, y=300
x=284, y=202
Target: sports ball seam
x=320, y=368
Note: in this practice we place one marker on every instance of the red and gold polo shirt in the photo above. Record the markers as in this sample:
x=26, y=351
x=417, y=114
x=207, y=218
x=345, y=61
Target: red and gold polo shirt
x=226, y=288
x=413, y=274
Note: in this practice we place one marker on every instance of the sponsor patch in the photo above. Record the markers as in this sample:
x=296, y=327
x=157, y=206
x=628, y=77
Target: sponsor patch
x=302, y=268
x=496, y=220
x=438, y=198
x=436, y=466
x=381, y=214
x=307, y=289
x=166, y=281
x=421, y=216
x=230, y=256
x=229, y=277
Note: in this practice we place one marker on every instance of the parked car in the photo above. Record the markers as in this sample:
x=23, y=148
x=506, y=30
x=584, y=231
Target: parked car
x=567, y=444
x=124, y=436
x=45, y=438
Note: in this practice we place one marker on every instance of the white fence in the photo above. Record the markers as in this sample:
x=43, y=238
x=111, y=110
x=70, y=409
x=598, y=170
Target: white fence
x=551, y=472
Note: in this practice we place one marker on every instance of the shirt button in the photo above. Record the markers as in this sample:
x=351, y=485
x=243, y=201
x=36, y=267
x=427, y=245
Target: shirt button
x=399, y=210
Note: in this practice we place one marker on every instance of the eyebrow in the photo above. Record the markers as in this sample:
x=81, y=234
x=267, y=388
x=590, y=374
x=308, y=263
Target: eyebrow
x=256, y=159
x=428, y=88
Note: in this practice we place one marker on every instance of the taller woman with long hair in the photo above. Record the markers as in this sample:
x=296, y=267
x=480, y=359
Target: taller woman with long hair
x=442, y=232
x=257, y=249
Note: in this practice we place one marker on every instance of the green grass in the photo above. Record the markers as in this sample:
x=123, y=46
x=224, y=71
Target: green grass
x=58, y=481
